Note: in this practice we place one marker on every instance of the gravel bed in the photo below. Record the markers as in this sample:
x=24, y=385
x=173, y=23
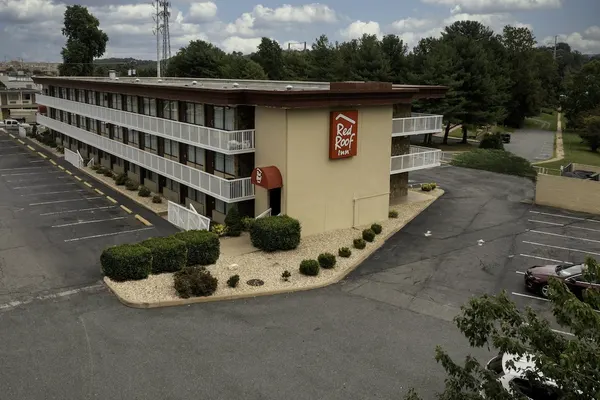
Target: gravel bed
x=132, y=194
x=269, y=266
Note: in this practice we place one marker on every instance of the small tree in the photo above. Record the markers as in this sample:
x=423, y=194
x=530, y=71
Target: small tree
x=233, y=221
x=591, y=132
x=571, y=362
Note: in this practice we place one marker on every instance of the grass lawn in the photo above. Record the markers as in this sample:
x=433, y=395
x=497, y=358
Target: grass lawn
x=575, y=152
x=544, y=121
x=499, y=161
x=452, y=146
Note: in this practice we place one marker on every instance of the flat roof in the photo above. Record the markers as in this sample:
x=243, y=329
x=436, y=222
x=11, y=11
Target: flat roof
x=284, y=94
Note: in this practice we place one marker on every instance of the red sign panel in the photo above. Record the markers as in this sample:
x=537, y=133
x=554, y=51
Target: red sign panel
x=343, y=134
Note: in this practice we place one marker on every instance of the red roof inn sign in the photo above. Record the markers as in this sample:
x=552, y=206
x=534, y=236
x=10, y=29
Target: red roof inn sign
x=343, y=134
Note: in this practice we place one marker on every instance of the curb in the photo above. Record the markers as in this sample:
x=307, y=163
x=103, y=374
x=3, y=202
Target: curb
x=334, y=279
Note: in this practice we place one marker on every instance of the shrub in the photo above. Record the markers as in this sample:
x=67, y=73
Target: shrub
x=359, y=243
x=126, y=262
x=503, y=162
x=247, y=223
x=60, y=149
x=309, y=267
x=285, y=275
x=233, y=222
x=101, y=170
x=219, y=230
x=376, y=228
x=393, y=214
x=344, y=252
x=233, y=281
x=326, y=260
x=426, y=187
x=85, y=160
x=95, y=167
x=121, y=179
x=203, y=247
x=275, y=233
x=131, y=185
x=144, y=192
x=368, y=235
x=156, y=199
x=493, y=141
x=109, y=173
x=168, y=254
x=433, y=185
x=195, y=281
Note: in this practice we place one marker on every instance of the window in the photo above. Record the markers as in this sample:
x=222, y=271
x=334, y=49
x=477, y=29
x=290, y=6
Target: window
x=117, y=101
x=171, y=148
x=134, y=168
x=197, y=196
x=13, y=96
x=151, y=176
x=91, y=97
x=170, y=110
x=72, y=94
x=133, y=137
x=119, y=161
x=194, y=113
x=81, y=95
x=149, y=106
x=172, y=185
x=118, y=133
x=150, y=142
x=27, y=96
x=219, y=117
x=92, y=125
x=62, y=93
x=196, y=155
x=131, y=103
x=225, y=118
x=221, y=206
x=225, y=163
x=103, y=99
x=104, y=128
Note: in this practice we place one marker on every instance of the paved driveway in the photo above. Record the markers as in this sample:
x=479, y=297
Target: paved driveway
x=534, y=145
x=371, y=336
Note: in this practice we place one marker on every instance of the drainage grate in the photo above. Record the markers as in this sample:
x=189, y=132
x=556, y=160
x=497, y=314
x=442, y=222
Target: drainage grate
x=255, y=282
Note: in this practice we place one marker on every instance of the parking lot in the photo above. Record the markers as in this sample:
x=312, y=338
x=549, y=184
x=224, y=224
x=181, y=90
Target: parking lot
x=54, y=224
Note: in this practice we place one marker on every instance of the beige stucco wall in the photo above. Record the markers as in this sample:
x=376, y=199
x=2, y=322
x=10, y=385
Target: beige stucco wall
x=133, y=176
x=568, y=193
x=197, y=206
x=326, y=194
x=118, y=169
x=171, y=195
x=153, y=186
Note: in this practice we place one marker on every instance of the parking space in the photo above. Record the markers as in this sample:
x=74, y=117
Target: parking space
x=54, y=224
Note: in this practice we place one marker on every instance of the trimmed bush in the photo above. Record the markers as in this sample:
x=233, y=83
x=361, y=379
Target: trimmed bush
x=326, y=260
x=247, y=223
x=275, y=233
x=393, y=214
x=195, y=281
x=203, y=247
x=359, y=243
x=156, y=199
x=426, y=187
x=131, y=185
x=493, y=141
x=168, y=254
x=433, y=185
x=285, y=275
x=309, y=267
x=233, y=281
x=121, y=179
x=101, y=170
x=144, y=192
x=376, y=228
x=233, y=222
x=500, y=161
x=95, y=167
x=109, y=173
x=126, y=262
x=219, y=230
x=344, y=252
x=368, y=235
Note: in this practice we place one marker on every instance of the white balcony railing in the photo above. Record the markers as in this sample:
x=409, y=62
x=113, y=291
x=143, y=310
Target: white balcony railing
x=227, y=190
x=417, y=124
x=228, y=142
x=418, y=158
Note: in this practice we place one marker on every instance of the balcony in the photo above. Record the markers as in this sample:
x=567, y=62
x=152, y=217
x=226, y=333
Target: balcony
x=417, y=124
x=418, y=158
x=227, y=142
x=230, y=191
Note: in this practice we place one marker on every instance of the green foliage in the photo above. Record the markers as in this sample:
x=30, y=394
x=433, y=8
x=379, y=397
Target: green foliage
x=285, y=275
x=270, y=57
x=144, y=192
x=344, y=252
x=582, y=94
x=156, y=199
x=275, y=233
x=126, y=262
x=247, y=223
x=433, y=185
x=101, y=170
x=499, y=161
x=309, y=267
x=326, y=260
x=359, y=243
x=194, y=281
x=219, y=230
x=492, y=141
x=233, y=222
x=197, y=59
x=203, y=247
x=121, y=179
x=168, y=254
x=377, y=228
x=233, y=281
x=393, y=214
x=131, y=185
x=497, y=322
x=368, y=235
x=108, y=173
x=426, y=187
x=238, y=66
x=591, y=130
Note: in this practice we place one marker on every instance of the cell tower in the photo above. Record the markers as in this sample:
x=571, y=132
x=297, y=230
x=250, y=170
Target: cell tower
x=161, y=18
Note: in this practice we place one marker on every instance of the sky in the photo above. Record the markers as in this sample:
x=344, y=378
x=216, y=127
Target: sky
x=31, y=29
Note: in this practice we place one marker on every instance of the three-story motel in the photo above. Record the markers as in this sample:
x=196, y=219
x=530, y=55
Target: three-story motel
x=333, y=155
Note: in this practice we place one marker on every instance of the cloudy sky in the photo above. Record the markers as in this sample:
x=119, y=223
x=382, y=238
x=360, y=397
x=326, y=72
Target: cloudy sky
x=30, y=29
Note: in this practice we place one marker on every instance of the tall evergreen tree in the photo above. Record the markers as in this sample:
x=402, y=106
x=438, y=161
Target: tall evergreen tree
x=270, y=57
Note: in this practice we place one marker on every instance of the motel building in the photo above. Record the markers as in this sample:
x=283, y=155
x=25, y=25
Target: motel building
x=333, y=155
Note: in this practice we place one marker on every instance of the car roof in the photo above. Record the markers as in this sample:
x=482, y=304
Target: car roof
x=522, y=364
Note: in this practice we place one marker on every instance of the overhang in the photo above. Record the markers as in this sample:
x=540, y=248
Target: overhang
x=267, y=177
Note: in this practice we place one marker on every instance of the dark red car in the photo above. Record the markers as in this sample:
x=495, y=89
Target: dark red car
x=536, y=278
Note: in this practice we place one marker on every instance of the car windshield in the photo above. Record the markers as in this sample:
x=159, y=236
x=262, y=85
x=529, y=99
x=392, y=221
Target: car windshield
x=569, y=270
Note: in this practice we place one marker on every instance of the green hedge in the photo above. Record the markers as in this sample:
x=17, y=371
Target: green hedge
x=168, y=254
x=126, y=262
x=499, y=161
x=203, y=247
x=275, y=233
x=309, y=267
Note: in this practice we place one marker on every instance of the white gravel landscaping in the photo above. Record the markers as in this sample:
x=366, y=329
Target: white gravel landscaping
x=268, y=267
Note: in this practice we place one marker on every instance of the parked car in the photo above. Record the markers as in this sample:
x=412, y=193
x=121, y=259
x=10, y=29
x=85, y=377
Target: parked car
x=537, y=278
x=505, y=137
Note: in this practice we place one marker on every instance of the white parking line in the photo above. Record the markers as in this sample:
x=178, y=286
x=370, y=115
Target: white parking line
x=88, y=222
x=561, y=248
x=49, y=184
x=546, y=259
x=107, y=234
x=565, y=236
x=564, y=216
x=62, y=191
x=565, y=225
x=13, y=169
x=33, y=173
x=519, y=272
x=529, y=296
x=36, y=161
x=545, y=222
x=78, y=210
x=64, y=201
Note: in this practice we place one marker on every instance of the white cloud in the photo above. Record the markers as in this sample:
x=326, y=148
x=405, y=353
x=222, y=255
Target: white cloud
x=206, y=11
x=496, y=21
x=487, y=6
x=587, y=42
x=412, y=24
x=358, y=28
x=236, y=43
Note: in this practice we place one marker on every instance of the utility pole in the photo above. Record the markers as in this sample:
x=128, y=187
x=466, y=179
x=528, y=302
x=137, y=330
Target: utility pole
x=157, y=19
x=555, y=45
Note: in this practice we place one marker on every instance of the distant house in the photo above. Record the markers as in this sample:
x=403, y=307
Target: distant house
x=17, y=98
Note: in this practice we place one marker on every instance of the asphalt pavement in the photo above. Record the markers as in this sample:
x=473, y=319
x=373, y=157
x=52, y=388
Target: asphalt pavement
x=534, y=145
x=372, y=335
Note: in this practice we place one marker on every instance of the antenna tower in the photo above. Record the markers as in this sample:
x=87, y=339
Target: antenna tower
x=163, y=37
